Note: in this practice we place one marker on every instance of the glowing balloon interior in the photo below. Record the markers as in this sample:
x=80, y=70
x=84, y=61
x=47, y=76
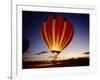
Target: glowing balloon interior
x=57, y=32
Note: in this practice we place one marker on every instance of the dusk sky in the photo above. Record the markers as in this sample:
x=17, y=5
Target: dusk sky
x=31, y=31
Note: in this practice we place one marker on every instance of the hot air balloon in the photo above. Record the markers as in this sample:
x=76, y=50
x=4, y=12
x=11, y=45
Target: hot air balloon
x=57, y=32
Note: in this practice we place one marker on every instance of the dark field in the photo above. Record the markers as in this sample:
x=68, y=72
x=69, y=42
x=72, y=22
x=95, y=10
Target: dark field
x=58, y=63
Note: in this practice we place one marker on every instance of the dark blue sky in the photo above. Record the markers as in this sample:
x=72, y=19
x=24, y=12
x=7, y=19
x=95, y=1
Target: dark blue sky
x=31, y=30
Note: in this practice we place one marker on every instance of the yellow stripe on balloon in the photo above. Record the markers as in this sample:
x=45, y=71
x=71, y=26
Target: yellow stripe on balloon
x=44, y=29
x=53, y=32
x=62, y=36
x=66, y=42
x=57, y=41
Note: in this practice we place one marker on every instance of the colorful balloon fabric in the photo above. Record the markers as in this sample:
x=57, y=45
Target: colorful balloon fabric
x=57, y=32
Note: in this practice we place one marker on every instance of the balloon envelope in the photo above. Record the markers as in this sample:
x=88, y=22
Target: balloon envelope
x=57, y=32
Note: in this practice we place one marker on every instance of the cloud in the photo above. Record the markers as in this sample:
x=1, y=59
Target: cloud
x=36, y=52
x=86, y=53
x=42, y=52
